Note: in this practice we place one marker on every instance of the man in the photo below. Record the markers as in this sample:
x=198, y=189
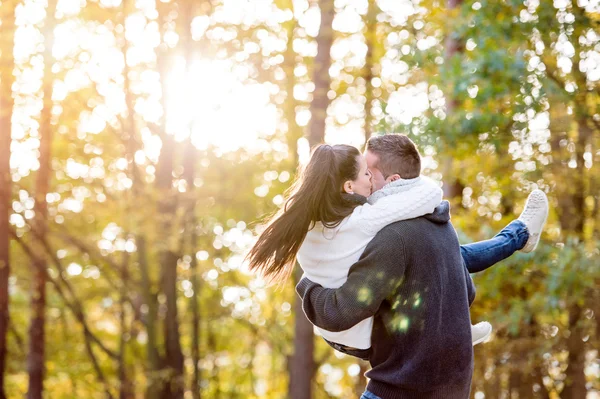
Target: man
x=412, y=279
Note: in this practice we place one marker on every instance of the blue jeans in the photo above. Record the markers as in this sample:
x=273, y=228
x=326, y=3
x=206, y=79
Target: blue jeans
x=483, y=254
x=369, y=395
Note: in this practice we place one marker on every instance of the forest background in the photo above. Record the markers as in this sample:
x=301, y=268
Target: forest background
x=143, y=141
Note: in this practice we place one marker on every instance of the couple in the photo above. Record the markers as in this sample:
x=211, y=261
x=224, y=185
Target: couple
x=385, y=278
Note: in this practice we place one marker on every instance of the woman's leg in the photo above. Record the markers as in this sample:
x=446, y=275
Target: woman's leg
x=484, y=254
x=521, y=234
x=369, y=395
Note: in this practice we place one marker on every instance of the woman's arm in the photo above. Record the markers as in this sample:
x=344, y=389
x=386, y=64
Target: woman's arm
x=418, y=200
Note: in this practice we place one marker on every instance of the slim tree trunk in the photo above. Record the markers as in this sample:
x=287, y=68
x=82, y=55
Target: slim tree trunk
x=36, y=356
x=302, y=363
x=150, y=318
x=526, y=388
x=125, y=385
x=488, y=384
x=131, y=135
x=370, y=40
x=514, y=381
x=191, y=155
x=6, y=109
x=211, y=347
x=453, y=46
x=166, y=214
x=575, y=373
x=168, y=262
x=195, y=281
x=573, y=223
x=294, y=132
x=539, y=379
x=321, y=77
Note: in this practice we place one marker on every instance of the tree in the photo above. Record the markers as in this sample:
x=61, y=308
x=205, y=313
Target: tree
x=37, y=336
x=6, y=108
x=370, y=20
x=321, y=77
x=190, y=239
x=302, y=363
x=167, y=207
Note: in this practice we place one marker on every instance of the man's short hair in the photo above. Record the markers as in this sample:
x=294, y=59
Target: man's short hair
x=397, y=154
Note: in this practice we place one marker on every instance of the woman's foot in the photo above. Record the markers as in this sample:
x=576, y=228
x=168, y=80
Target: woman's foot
x=534, y=216
x=480, y=332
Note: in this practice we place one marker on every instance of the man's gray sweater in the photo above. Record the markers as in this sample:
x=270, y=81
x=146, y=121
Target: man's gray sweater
x=412, y=279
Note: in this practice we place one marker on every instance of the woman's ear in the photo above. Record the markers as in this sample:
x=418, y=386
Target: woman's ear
x=348, y=187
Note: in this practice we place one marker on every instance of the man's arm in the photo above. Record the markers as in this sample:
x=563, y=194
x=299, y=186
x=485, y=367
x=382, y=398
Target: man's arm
x=371, y=280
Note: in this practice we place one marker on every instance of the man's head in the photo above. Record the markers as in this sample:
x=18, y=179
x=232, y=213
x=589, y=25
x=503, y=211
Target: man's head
x=391, y=157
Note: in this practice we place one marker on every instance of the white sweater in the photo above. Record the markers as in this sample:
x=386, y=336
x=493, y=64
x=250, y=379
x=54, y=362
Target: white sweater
x=326, y=255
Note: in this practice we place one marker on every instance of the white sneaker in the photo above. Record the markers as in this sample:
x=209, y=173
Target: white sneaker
x=534, y=216
x=480, y=332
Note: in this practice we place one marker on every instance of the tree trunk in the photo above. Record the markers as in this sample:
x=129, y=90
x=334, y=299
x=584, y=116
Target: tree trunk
x=302, y=362
x=126, y=390
x=174, y=383
x=6, y=109
x=575, y=373
x=453, y=46
x=572, y=223
x=572, y=200
x=195, y=281
x=211, y=347
x=168, y=262
x=539, y=379
x=294, y=132
x=36, y=356
x=191, y=155
x=321, y=77
x=130, y=133
x=149, y=319
x=370, y=40
x=514, y=381
x=526, y=388
x=489, y=383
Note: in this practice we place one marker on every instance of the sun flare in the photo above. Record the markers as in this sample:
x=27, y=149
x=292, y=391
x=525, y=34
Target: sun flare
x=211, y=100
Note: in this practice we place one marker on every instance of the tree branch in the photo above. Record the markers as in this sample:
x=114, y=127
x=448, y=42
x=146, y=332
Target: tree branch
x=75, y=305
x=18, y=337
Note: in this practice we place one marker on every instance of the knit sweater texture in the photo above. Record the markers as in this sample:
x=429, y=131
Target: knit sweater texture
x=411, y=278
x=327, y=254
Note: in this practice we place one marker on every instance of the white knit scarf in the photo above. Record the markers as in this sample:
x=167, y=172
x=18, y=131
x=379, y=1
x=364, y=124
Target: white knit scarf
x=399, y=186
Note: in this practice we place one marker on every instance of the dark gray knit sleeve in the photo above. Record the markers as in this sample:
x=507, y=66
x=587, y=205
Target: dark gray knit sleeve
x=471, y=291
x=371, y=280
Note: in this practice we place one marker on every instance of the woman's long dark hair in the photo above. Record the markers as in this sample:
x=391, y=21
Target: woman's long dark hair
x=315, y=196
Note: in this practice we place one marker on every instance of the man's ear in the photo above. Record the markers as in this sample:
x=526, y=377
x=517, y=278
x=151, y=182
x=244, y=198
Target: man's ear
x=392, y=178
x=348, y=187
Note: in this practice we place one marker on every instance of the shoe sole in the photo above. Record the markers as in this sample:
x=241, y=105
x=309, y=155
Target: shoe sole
x=542, y=229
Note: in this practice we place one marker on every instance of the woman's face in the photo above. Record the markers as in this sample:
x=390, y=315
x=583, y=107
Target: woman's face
x=362, y=184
